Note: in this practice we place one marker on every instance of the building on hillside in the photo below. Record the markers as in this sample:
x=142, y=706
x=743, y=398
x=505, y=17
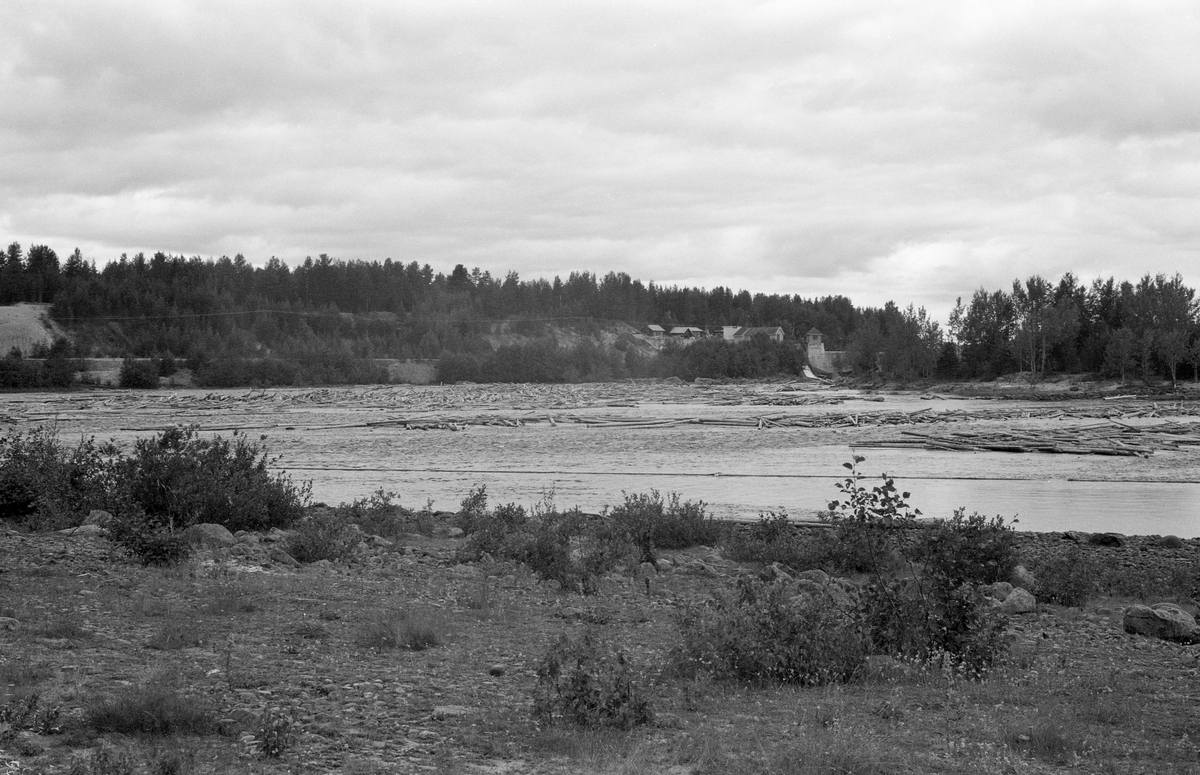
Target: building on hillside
x=822, y=361
x=688, y=332
x=656, y=332
x=746, y=333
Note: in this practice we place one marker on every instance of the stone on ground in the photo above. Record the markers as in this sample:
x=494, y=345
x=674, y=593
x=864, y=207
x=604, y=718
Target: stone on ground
x=209, y=535
x=1165, y=621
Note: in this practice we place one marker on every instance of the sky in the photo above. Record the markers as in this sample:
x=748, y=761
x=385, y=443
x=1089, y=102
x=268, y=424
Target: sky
x=911, y=151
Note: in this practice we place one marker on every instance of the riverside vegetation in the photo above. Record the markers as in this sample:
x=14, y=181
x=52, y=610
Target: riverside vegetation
x=649, y=638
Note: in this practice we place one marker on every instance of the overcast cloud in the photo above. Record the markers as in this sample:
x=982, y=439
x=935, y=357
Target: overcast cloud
x=908, y=151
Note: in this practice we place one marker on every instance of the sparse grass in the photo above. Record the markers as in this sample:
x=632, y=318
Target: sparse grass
x=176, y=634
x=232, y=598
x=129, y=758
x=310, y=631
x=20, y=673
x=1056, y=738
x=64, y=628
x=154, y=709
x=150, y=607
x=402, y=630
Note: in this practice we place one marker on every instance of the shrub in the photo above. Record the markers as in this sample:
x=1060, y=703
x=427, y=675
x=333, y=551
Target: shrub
x=966, y=549
x=564, y=546
x=766, y=633
x=650, y=524
x=775, y=539
x=180, y=479
x=322, y=535
x=273, y=733
x=1071, y=578
x=138, y=374
x=583, y=682
x=377, y=515
x=569, y=548
x=146, y=539
x=503, y=533
x=870, y=523
x=154, y=709
x=928, y=619
x=45, y=486
x=472, y=512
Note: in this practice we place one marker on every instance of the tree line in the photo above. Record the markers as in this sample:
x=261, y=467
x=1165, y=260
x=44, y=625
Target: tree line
x=328, y=320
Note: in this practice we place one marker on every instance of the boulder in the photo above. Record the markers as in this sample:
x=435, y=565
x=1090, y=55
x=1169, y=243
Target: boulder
x=98, y=517
x=1106, y=539
x=1019, y=601
x=776, y=571
x=209, y=535
x=277, y=554
x=816, y=574
x=443, y=712
x=998, y=591
x=698, y=567
x=1165, y=621
x=455, y=532
x=1021, y=577
x=275, y=535
x=807, y=586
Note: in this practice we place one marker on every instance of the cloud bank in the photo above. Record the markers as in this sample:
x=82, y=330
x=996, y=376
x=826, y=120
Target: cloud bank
x=910, y=151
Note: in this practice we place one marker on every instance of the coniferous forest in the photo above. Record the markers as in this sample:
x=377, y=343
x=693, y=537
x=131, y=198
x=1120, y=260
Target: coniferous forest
x=329, y=321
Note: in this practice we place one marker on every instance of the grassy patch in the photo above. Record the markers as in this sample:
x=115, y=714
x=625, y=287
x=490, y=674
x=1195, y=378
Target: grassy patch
x=235, y=598
x=177, y=634
x=149, y=710
x=402, y=630
x=1057, y=738
x=21, y=673
x=64, y=628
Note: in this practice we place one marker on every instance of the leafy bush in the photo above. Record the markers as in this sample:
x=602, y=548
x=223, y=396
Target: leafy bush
x=502, y=533
x=651, y=524
x=869, y=524
x=569, y=548
x=472, y=511
x=563, y=546
x=321, y=535
x=766, y=633
x=583, y=682
x=273, y=733
x=45, y=486
x=180, y=479
x=775, y=539
x=970, y=549
x=138, y=374
x=146, y=539
x=1071, y=578
x=941, y=611
x=928, y=619
x=377, y=515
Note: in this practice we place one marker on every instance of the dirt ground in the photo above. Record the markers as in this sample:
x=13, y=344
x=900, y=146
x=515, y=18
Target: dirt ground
x=548, y=440
x=249, y=643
